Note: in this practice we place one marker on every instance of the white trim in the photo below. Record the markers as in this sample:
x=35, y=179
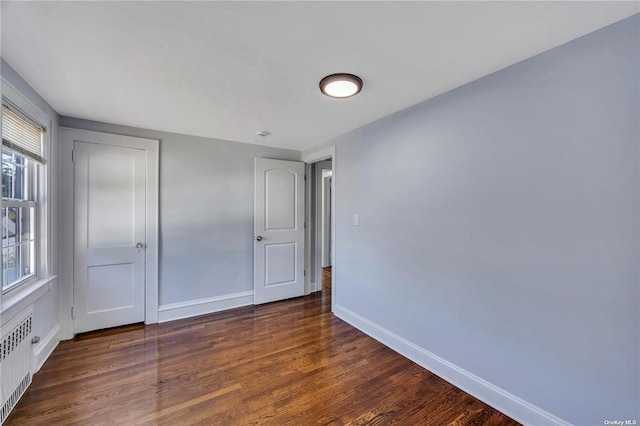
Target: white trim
x=516, y=408
x=307, y=231
x=25, y=106
x=325, y=154
x=334, y=208
x=322, y=154
x=45, y=348
x=16, y=300
x=317, y=192
x=28, y=292
x=209, y=305
x=151, y=146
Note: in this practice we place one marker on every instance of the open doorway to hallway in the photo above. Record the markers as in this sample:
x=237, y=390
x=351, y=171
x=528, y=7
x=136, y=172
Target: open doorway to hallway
x=320, y=188
x=324, y=177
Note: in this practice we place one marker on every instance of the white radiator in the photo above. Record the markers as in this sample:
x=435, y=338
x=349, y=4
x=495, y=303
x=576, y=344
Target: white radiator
x=16, y=358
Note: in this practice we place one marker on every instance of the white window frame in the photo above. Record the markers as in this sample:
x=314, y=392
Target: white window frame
x=19, y=296
x=39, y=196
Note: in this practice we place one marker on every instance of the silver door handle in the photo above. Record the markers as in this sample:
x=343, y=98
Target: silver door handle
x=139, y=246
x=259, y=238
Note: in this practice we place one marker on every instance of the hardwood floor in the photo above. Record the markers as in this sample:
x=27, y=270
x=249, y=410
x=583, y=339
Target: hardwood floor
x=284, y=363
x=326, y=278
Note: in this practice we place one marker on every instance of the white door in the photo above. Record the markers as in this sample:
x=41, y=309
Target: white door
x=109, y=236
x=279, y=230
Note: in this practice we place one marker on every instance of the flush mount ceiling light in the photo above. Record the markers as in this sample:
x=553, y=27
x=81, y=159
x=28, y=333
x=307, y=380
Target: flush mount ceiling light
x=341, y=85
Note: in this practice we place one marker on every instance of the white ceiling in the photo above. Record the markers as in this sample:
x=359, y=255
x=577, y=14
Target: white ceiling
x=226, y=69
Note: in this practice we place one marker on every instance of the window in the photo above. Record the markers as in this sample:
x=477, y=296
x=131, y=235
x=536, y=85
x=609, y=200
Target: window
x=21, y=162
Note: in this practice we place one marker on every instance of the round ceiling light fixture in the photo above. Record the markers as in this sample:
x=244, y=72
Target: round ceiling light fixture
x=341, y=85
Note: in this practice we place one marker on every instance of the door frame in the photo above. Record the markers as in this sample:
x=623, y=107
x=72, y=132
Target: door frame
x=328, y=153
x=319, y=229
x=68, y=136
x=326, y=218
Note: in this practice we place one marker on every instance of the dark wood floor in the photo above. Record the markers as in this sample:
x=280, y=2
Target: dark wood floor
x=284, y=363
x=326, y=278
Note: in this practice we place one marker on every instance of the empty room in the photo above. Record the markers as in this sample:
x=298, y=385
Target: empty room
x=320, y=213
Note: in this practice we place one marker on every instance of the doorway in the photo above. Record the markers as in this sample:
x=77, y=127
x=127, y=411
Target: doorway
x=320, y=209
x=322, y=219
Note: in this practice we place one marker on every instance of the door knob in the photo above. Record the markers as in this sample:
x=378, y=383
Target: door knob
x=259, y=238
x=139, y=246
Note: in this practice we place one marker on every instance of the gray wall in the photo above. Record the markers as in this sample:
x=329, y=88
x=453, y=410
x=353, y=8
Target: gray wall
x=206, y=211
x=45, y=313
x=499, y=226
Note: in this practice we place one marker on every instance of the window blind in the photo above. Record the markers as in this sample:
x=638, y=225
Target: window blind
x=21, y=135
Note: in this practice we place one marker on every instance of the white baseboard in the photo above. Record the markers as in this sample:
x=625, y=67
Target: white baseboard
x=517, y=408
x=45, y=348
x=192, y=308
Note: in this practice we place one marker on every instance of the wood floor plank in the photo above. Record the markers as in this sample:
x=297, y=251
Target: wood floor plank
x=284, y=363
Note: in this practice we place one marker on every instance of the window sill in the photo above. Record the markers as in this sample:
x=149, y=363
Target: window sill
x=16, y=301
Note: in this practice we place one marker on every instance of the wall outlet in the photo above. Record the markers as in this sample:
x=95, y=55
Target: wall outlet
x=356, y=220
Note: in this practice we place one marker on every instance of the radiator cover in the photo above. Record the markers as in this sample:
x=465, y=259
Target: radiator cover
x=16, y=360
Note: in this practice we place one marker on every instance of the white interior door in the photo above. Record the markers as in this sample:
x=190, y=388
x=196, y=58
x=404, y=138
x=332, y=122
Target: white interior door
x=109, y=236
x=279, y=230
